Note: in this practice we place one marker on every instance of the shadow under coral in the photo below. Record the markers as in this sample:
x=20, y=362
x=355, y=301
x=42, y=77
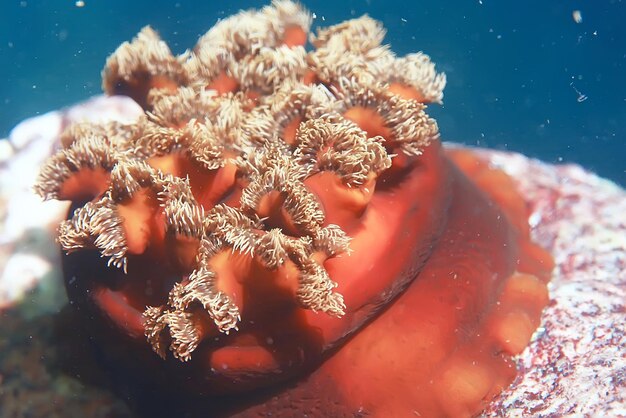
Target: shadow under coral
x=50, y=366
x=92, y=360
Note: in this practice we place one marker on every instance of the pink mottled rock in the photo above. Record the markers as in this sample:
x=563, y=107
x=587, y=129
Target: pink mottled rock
x=576, y=365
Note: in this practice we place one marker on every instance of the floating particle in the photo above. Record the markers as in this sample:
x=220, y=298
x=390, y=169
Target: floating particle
x=581, y=97
x=577, y=16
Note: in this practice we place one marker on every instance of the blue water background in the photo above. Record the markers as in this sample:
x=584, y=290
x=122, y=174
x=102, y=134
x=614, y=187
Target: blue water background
x=522, y=76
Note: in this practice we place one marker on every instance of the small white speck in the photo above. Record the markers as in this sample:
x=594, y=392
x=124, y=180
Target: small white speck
x=80, y=3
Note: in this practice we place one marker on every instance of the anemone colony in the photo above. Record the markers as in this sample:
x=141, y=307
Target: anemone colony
x=233, y=133
x=260, y=177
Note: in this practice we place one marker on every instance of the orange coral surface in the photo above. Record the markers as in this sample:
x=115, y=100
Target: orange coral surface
x=283, y=233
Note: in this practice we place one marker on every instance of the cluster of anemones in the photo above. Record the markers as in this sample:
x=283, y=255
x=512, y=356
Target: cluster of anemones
x=255, y=160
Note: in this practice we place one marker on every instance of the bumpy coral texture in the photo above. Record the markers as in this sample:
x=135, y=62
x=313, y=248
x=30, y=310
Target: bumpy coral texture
x=272, y=202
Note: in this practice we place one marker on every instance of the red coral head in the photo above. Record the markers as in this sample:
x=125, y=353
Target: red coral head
x=269, y=204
